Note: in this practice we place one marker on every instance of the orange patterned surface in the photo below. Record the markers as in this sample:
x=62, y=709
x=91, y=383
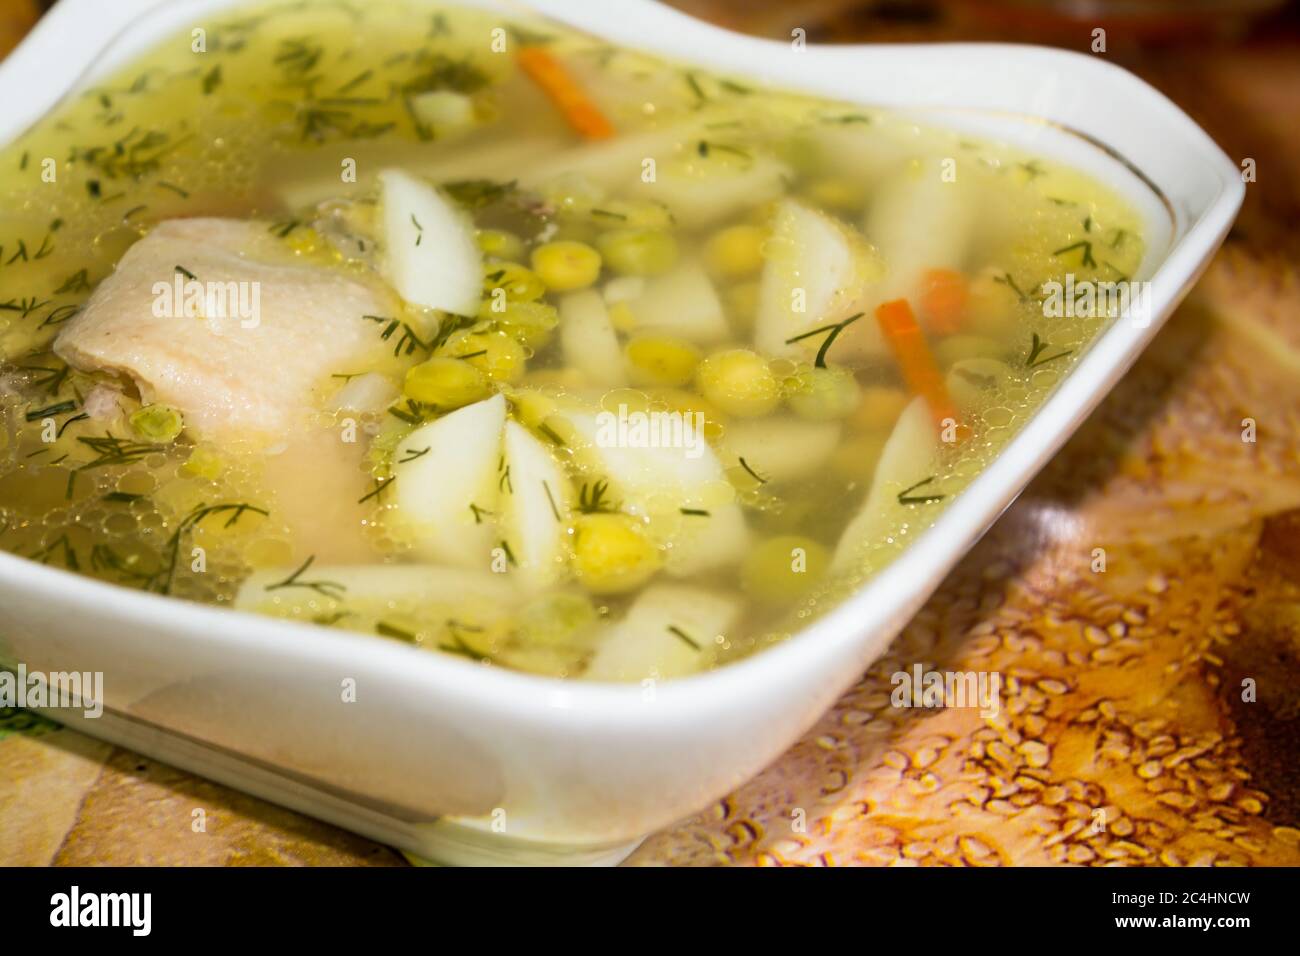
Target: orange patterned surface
x=1123, y=701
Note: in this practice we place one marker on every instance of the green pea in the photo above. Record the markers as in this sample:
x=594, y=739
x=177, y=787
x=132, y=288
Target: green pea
x=638, y=252
x=446, y=383
x=160, y=424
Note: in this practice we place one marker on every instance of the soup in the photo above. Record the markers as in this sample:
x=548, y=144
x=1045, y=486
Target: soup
x=485, y=336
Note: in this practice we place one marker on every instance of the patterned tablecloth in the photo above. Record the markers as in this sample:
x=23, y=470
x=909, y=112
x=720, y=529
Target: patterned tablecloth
x=1123, y=689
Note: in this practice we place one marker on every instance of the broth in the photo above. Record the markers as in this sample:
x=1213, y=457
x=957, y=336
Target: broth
x=489, y=337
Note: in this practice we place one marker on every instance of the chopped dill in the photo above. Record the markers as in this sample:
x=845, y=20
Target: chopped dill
x=356, y=81
x=752, y=473
x=592, y=498
x=68, y=422
x=412, y=454
x=551, y=498
x=105, y=558
x=1037, y=347
x=121, y=497
x=1033, y=168
x=697, y=91
x=77, y=282
x=381, y=485
x=705, y=149
x=110, y=450
x=412, y=413
x=69, y=553
x=60, y=315
x=212, y=80
x=392, y=630
x=479, y=193
x=26, y=305
x=682, y=636
x=694, y=512
x=296, y=58
x=1086, y=245
x=330, y=589
x=905, y=497
x=552, y=435
x=458, y=644
x=1010, y=283
x=162, y=582
x=834, y=331
x=50, y=410
x=53, y=379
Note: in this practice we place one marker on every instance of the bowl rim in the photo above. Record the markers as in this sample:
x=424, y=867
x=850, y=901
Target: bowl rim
x=907, y=581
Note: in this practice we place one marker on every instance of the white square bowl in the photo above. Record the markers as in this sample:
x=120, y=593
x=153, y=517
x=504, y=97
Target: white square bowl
x=451, y=760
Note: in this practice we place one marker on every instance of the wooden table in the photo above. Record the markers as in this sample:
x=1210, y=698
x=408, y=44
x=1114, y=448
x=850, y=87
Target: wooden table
x=1124, y=688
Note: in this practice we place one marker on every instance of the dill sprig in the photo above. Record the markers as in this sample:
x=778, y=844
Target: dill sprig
x=162, y=582
x=752, y=473
x=551, y=498
x=592, y=498
x=381, y=485
x=104, y=558
x=834, y=330
x=1010, y=283
x=392, y=630
x=50, y=411
x=905, y=497
x=458, y=644
x=1037, y=347
x=412, y=454
x=329, y=589
x=682, y=636
x=1087, y=261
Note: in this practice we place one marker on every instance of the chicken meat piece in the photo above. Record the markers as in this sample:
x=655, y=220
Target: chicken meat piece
x=251, y=369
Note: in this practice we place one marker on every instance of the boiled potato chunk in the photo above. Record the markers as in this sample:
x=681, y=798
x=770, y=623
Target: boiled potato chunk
x=782, y=448
x=682, y=303
x=534, y=508
x=666, y=634
x=431, y=255
x=910, y=455
x=682, y=489
x=446, y=478
x=588, y=339
x=920, y=220
x=818, y=272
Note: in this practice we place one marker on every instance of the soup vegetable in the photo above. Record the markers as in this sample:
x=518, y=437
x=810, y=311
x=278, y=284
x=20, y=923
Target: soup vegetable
x=488, y=337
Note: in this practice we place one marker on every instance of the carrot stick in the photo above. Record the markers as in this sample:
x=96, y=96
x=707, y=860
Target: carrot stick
x=943, y=299
x=554, y=80
x=920, y=370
